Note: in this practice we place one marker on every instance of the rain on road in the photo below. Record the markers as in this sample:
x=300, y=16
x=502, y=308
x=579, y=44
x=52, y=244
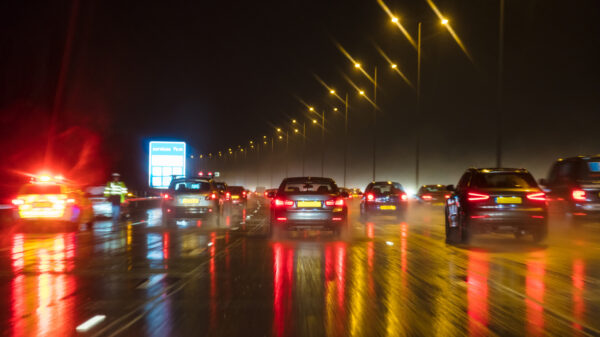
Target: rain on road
x=381, y=278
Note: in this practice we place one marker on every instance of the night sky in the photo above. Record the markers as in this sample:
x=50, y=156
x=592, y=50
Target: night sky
x=217, y=74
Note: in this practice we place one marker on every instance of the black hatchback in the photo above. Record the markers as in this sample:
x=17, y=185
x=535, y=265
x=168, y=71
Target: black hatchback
x=496, y=200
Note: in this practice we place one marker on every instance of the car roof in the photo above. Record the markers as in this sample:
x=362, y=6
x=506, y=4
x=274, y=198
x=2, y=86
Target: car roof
x=433, y=185
x=487, y=170
x=302, y=179
x=583, y=158
x=388, y=182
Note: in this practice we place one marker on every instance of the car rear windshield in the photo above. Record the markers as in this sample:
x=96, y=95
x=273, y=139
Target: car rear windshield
x=308, y=186
x=40, y=189
x=432, y=188
x=384, y=188
x=592, y=171
x=235, y=189
x=190, y=186
x=504, y=180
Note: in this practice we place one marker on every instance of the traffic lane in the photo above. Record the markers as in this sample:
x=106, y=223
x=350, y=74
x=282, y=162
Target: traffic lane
x=387, y=278
x=53, y=281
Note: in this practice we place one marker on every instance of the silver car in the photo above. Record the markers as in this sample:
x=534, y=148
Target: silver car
x=309, y=202
x=191, y=197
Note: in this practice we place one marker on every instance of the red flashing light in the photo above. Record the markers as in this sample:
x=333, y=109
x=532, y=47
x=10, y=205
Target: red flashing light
x=18, y=202
x=578, y=195
x=370, y=197
x=538, y=196
x=471, y=196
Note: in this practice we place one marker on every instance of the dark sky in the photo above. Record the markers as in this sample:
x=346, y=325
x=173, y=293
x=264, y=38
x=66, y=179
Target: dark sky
x=216, y=74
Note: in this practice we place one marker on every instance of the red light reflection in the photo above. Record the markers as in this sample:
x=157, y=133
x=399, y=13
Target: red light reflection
x=477, y=293
x=578, y=278
x=283, y=270
x=534, y=289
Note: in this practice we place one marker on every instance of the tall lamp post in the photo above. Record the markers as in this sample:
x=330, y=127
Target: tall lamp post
x=374, y=80
x=322, y=116
x=303, y=134
x=332, y=92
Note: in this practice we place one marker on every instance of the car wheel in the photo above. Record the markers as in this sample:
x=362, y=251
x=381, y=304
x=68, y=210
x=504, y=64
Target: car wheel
x=453, y=234
x=465, y=231
x=540, y=234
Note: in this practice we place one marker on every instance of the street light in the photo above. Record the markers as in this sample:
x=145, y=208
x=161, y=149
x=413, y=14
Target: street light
x=394, y=66
x=345, y=131
x=356, y=65
x=311, y=108
x=444, y=21
x=332, y=92
x=362, y=92
x=394, y=19
x=334, y=109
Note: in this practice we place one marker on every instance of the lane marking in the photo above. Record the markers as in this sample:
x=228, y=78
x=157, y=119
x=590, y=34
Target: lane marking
x=151, y=281
x=90, y=323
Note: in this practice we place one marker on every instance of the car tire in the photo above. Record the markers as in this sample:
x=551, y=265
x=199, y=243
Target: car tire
x=465, y=230
x=540, y=234
x=453, y=235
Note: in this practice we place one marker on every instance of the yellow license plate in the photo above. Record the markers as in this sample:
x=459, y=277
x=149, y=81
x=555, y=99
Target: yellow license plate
x=42, y=204
x=235, y=197
x=309, y=204
x=388, y=207
x=509, y=200
x=189, y=201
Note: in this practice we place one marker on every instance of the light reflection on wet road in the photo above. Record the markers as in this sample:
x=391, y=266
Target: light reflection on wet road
x=381, y=278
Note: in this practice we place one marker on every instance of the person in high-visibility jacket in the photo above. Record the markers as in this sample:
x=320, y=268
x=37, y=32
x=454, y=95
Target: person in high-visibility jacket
x=115, y=191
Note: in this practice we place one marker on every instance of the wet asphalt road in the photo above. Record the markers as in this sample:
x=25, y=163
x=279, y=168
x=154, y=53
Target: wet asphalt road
x=382, y=278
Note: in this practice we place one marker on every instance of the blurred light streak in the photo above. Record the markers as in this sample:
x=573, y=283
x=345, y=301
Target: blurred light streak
x=329, y=88
x=357, y=295
x=403, y=249
x=450, y=29
x=578, y=278
x=396, y=69
x=370, y=230
x=354, y=62
x=477, y=293
x=213, y=281
x=18, y=253
x=535, y=289
x=397, y=23
x=166, y=245
x=283, y=269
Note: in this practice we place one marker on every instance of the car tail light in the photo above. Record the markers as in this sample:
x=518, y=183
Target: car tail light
x=447, y=196
x=538, y=196
x=212, y=196
x=266, y=194
x=427, y=197
x=244, y=194
x=18, y=202
x=337, y=219
x=404, y=197
x=335, y=202
x=167, y=196
x=578, y=195
x=281, y=218
x=282, y=203
x=370, y=197
x=472, y=196
x=227, y=195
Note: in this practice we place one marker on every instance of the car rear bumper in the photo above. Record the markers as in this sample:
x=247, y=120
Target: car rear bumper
x=499, y=221
x=198, y=211
x=309, y=219
x=384, y=208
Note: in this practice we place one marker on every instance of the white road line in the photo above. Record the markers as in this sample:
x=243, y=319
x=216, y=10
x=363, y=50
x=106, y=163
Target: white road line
x=90, y=323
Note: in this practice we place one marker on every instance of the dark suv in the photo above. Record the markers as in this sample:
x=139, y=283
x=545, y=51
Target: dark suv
x=573, y=186
x=383, y=198
x=496, y=200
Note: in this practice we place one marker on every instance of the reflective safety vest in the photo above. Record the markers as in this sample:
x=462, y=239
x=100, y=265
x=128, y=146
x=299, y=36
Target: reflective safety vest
x=115, y=188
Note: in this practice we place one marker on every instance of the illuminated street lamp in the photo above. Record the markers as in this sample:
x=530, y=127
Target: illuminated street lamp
x=444, y=21
x=362, y=92
x=334, y=109
x=311, y=108
x=332, y=92
x=394, y=66
x=394, y=19
x=357, y=65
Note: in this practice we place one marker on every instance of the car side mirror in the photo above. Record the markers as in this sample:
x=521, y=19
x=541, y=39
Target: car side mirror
x=451, y=188
x=271, y=195
x=543, y=182
x=344, y=194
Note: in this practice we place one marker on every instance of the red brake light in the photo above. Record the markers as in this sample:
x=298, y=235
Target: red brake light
x=403, y=197
x=281, y=203
x=244, y=194
x=329, y=202
x=370, y=197
x=578, y=195
x=213, y=196
x=227, y=195
x=166, y=196
x=427, y=197
x=447, y=196
x=471, y=196
x=538, y=196
x=339, y=202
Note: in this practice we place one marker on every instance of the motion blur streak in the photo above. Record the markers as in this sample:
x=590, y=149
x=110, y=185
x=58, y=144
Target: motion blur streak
x=477, y=293
x=534, y=289
x=283, y=259
x=450, y=30
x=397, y=23
x=578, y=285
